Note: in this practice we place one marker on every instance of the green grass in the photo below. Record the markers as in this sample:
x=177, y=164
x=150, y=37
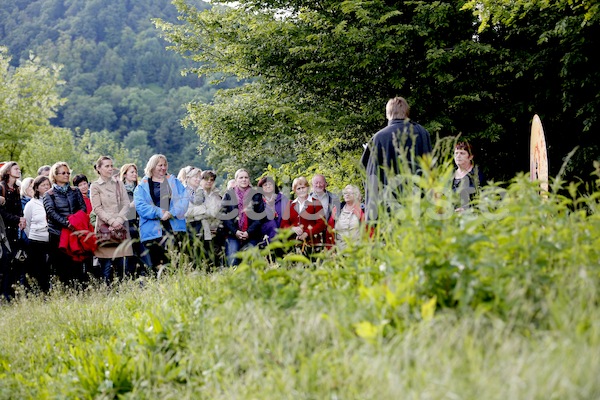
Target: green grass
x=466, y=307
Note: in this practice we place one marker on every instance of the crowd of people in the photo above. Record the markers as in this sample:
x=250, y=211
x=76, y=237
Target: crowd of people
x=121, y=226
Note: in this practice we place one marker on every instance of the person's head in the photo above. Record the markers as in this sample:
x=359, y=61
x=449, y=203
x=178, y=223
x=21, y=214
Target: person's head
x=157, y=166
x=242, y=178
x=9, y=171
x=41, y=184
x=82, y=183
x=397, y=108
x=193, y=177
x=129, y=173
x=300, y=187
x=182, y=175
x=104, y=167
x=351, y=194
x=319, y=184
x=463, y=154
x=26, y=187
x=207, y=180
x=60, y=173
x=268, y=185
x=231, y=184
x=44, y=170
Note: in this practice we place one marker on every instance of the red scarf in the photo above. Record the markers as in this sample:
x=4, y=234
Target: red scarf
x=242, y=195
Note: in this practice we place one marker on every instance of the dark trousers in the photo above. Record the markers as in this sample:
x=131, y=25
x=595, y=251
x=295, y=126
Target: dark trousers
x=110, y=267
x=233, y=245
x=38, y=266
x=6, y=276
x=64, y=267
x=158, y=248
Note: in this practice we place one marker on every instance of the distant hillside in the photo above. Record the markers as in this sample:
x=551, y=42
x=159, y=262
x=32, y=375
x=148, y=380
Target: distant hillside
x=119, y=75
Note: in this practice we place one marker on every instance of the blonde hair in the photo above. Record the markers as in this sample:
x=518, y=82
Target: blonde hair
x=25, y=184
x=188, y=172
x=397, y=108
x=153, y=162
x=124, y=170
x=239, y=171
x=355, y=191
x=54, y=170
x=298, y=181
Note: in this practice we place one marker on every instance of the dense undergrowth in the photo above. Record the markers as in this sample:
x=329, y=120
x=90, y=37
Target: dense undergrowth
x=498, y=303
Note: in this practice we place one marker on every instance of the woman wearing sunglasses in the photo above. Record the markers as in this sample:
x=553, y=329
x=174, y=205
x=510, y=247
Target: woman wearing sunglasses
x=60, y=202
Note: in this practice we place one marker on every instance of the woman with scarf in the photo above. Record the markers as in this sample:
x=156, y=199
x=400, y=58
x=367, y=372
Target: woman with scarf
x=243, y=211
x=161, y=202
x=275, y=201
x=60, y=202
x=129, y=177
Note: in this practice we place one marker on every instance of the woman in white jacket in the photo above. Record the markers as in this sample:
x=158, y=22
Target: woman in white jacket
x=37, y=233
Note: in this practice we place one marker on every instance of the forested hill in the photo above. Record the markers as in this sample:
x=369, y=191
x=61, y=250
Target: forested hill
x=119, y=76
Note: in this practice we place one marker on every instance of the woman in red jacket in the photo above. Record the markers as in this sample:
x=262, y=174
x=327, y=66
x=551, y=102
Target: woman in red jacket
x=305, y=216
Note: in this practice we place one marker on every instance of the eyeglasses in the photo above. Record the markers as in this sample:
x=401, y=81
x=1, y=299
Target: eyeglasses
x=64, y=173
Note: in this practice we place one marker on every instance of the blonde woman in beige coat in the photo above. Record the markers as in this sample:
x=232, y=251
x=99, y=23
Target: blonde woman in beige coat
x=110, y=203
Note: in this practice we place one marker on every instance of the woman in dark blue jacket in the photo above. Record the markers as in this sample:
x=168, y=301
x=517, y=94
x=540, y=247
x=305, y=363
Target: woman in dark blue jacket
x=275, y=201
x=60, y=202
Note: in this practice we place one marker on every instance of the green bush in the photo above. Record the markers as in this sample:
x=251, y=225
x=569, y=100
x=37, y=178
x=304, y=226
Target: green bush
x=501, y=302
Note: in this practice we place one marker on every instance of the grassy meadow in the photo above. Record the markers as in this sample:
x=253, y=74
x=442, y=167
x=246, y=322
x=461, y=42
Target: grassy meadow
x=500, y=303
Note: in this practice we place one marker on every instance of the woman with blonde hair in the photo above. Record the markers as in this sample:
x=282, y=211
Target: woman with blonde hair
x=161, y=202
x=349, y=218
x=191, y=181
x=111, y=206
x=305, y=217
x=26, y=191
x=60, y=202
x=243, y=212
x=129, y=177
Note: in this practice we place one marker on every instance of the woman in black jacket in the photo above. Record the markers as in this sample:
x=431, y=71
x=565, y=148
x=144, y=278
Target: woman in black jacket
x=14, y=221
x=12, y=210
x=243, y=212
x=60, y=202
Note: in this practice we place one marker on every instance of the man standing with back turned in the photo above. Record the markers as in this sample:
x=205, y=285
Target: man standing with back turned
x=401, y=138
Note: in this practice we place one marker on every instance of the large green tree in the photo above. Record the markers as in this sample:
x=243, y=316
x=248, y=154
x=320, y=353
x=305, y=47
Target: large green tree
x=29, y=97
x=321, y=72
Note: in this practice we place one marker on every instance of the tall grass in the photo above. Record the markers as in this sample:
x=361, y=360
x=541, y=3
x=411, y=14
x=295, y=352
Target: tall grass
x=501, y=303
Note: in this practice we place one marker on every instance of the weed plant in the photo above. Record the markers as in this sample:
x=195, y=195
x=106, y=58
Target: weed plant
x=499, y=302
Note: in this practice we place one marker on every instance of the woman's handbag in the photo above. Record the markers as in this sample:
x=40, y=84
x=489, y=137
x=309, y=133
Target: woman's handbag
x=107, y=235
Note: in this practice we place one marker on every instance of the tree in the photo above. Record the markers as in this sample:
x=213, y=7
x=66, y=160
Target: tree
x=566, y=36
x=330, y=66
x=28, y=99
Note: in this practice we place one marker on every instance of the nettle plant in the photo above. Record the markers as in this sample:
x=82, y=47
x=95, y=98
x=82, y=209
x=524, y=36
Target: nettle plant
x=512, y=254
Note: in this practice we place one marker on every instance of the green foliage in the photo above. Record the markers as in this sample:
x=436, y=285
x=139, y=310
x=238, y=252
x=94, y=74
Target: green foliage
x=28, y=99
x=119, y=76
x=435, y=302
x=79, y=151
x=331, y=66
